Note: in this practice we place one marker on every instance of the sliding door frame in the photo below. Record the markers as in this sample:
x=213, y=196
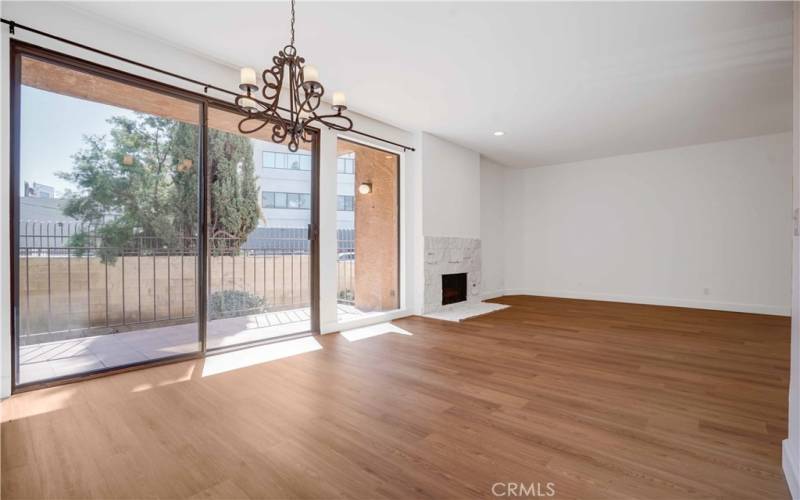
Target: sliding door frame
x=399, y=205
x=313, y=231
x=19, y=49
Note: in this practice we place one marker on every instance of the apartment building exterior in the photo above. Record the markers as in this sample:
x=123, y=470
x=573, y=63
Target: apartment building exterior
x=285, y=186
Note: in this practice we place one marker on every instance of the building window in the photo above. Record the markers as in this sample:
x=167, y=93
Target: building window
x=272, y=199
x=344, y=203
x=289, y=161
x=345, y=165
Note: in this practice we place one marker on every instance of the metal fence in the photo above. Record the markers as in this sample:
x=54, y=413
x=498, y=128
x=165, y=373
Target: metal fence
x=346, y=266
x=67, y=289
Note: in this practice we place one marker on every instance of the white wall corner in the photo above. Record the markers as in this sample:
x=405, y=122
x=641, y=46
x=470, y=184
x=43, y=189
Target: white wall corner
x=791, y=444
x=789, y=464
x=417, y=230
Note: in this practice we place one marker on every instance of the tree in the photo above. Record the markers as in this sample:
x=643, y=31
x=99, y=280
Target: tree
x=234, y=192
x=140, y=181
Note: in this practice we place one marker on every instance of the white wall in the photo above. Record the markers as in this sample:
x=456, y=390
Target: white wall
x=493, y=228
x=704, y=226
x=451, y=190
x=791, y=445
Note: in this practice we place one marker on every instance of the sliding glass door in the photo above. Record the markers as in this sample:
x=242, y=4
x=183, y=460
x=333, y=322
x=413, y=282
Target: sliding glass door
x=368, y=230
x=106, y=219
x=261, y=256
x=145, y=226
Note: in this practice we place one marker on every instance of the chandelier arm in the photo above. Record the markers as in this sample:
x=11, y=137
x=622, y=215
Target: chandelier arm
x=250, y=130
x=294, y=96
x=272, y=89
x=261, y=107
x=311, y=100
x=279, y=132
x=325, y=120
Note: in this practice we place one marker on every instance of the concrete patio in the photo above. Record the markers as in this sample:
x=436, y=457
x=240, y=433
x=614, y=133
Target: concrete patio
x=69, y=357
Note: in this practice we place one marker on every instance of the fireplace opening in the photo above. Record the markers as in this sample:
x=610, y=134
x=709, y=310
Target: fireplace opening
x=454, y=288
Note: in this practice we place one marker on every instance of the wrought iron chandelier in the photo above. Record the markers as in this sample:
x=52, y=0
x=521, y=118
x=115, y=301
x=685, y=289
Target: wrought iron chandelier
x=305, y=95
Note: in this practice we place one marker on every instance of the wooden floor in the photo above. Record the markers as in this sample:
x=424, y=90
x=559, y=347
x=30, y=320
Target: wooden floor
x=603, y=400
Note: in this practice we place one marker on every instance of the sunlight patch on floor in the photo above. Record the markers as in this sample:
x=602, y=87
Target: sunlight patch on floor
x=221, y=363
x=373, y=331
x=36, y=402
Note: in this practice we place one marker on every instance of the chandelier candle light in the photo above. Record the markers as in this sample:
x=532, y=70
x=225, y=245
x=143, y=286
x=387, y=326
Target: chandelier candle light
x=304, y=90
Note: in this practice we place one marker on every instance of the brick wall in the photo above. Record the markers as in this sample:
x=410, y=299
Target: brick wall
x=376, y=228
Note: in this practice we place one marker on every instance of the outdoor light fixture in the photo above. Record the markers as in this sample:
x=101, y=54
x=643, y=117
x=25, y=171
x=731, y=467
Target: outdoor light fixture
x=365, y=188
x=305, y=94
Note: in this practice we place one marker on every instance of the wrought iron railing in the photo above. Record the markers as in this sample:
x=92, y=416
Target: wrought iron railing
x=67, y=290
x=346, y=266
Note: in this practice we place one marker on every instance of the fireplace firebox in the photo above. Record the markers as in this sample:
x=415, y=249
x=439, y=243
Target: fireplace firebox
x=454, y=288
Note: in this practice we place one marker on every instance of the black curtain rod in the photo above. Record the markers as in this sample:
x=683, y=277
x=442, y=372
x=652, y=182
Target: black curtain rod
x=12, y=26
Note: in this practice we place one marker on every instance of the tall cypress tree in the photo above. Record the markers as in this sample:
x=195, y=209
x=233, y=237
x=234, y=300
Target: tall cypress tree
x=235, y=209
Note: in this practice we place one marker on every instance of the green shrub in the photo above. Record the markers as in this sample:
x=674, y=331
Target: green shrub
x=234, y=303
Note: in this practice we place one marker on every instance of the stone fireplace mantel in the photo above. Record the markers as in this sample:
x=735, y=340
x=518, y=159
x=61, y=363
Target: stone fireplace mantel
x=450, y=255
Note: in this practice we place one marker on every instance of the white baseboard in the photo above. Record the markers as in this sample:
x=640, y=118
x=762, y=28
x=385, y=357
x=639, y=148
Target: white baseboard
x=659, y=301
x=367, y=321
x=790, y=470
x=493, y=294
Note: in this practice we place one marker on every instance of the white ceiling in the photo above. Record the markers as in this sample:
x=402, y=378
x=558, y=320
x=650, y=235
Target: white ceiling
x=565, y=81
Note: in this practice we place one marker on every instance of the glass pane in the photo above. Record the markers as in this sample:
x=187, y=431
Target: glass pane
x=108, y=218
x=259, y=255
x=305, y=162
x=367, y=231
x=269, y=159
x=280, y=160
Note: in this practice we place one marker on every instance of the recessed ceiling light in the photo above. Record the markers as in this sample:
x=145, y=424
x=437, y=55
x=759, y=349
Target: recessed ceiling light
x=499, y=133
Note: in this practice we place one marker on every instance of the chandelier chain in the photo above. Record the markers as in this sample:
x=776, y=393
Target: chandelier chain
x=292, y=25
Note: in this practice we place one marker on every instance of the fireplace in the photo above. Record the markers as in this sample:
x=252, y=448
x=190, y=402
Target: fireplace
x=454, y=288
